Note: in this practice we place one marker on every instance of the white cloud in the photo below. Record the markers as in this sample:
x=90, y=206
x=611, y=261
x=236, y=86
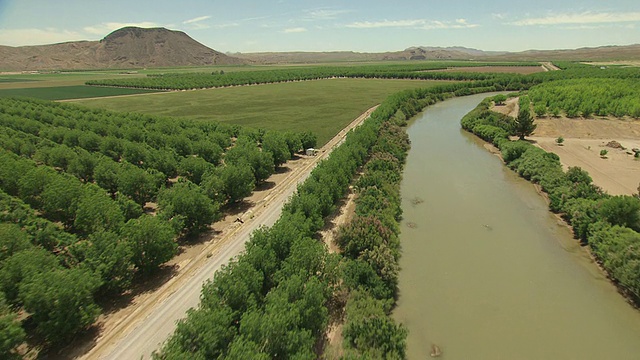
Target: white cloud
x=224, y=26
x=385, y=23
x=21, y=37
x=581, y=18
x=294, y=30
x=413, y=23
x=198, y=19
x=105, y=28
x=325, y=14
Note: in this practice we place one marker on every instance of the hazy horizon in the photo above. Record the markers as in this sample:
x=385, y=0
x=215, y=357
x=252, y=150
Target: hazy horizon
x=327, y=25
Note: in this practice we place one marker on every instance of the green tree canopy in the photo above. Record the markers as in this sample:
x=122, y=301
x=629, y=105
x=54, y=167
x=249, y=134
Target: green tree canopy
x=61, y=302
x=524, y=126
x=151, y=240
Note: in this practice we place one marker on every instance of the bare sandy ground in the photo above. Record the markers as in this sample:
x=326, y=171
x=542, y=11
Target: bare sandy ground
x=618, y=173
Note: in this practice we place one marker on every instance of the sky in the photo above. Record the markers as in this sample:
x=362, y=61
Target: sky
x=328, y=25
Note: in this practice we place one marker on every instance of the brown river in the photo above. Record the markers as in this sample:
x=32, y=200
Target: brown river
x=488, y=272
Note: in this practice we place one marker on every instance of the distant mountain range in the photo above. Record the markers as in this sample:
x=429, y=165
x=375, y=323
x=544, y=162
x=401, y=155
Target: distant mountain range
x=129, y=47
x=133, y=47
x=608, y=53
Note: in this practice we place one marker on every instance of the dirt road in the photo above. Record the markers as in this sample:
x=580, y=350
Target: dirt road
x=138, y=335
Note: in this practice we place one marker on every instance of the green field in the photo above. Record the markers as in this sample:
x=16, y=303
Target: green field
x=323, y=106
x=4, y=80
x=69, y=92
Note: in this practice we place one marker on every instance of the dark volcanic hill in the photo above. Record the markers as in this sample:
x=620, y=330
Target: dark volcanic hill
x=129, y=47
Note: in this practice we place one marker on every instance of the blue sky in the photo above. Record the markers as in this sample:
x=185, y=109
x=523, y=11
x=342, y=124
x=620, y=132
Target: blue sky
x=328, y=25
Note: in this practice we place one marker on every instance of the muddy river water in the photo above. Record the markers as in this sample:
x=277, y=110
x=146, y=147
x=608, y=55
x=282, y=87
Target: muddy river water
x=487, y=272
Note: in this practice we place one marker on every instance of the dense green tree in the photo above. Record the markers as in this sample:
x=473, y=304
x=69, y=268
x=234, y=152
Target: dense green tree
x=110, y=256
x=11, y=333
x=237, y=285
x=363, y=233
x=524, y=126
x=140, y=185
x=308, y=140
x=384, y=260
x=245, y=152
x=214, y=186
x=500, y=99
x=193, y=168
x=360, y=275
x=368, y=329
x=277, y=330
x=112, y=147
x=209, y=151
x=12, y=240
x=32, y=184
x=238, y=181
x=12, y=172
x=61, y=302
x=96, y=211
x=181, y=144
x=377, y=337
x=58, y=156
x=130, y=209
x=276, y=144
x=151, y=240
x=106, y=174
x=540, y=109
x=621, y=210
x=293, y=142
x=189, y=202
x=241, y=349
x=617, y=247
x=90, y=141
x=22, y=266
x=83, y=166
x=203, y=335
x=164, y=161
x=60, y=199
x=135, y=153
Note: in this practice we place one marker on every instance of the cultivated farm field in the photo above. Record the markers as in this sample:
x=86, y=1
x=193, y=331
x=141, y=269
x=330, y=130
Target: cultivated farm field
x=70, y=92
x=323, y=107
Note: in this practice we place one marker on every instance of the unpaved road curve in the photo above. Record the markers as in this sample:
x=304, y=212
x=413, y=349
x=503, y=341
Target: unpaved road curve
x=153, y=322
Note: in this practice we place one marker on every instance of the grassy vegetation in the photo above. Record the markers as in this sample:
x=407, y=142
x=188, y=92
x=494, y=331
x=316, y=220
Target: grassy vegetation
x=69, y=92
x=18, y=81
x=14, y=80
x=323, y=107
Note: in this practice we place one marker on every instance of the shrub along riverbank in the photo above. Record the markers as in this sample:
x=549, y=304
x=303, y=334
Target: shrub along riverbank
x=608, y=224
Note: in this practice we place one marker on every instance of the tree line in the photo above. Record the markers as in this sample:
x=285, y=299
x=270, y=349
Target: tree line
x=185, y=81
x=608, y=224
x=587, y=97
